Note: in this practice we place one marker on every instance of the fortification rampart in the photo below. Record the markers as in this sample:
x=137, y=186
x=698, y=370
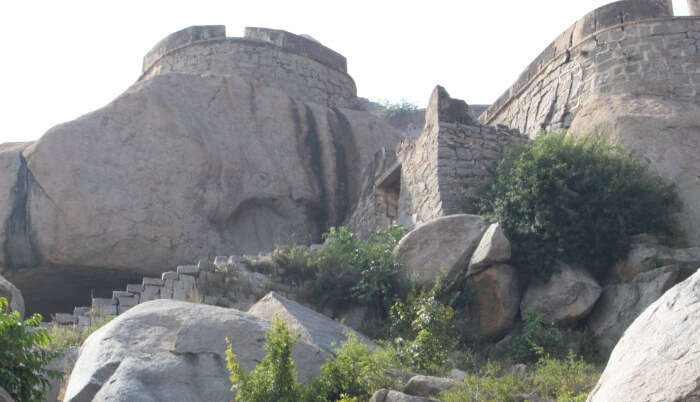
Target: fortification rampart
x=450, y=161
x=629, y=47
x=304, y=69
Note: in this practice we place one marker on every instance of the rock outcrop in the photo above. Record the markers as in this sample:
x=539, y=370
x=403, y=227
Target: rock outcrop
x=427, y=386
x=493, y=248
x=620, y=304
x=174, y=351
x=13, y=296
x=442, y=244
x=496, y=300
x=312, y=326
x=4, y=396
x=385, y=395
x=568, y=295
x=658, y=358
x=225, y=145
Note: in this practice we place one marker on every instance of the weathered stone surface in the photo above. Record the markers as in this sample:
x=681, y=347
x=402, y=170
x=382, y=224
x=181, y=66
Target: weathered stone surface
x=658, y=358
x=13, y=296
x=646, y=256
x=188, y=162
x=661, y=132
x=427, y=386
x=496, y=300
x=384, y=395
x=4, y=396
x=312, y=326
x=493, y=248
x=442, y=244
x=174, y=351
x=620, y=304
x=64, y=319
x=64, y=364
x=568, y=296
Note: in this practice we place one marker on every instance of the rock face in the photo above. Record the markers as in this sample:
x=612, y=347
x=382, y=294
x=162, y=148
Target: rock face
x=444, y=243
x=174, y=351
x=312, y=326
x=493, y=248
x=211, y=152
x=620, y=304
x=658, y=358
x=13, y=296
x=496, y=299
x=568, y=295
x=662, y=134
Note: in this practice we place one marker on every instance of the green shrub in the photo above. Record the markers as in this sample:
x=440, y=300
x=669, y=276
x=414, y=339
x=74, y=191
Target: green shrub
x=275, y=378
x=489, y=384
x=22, y=361
x=423, y=331
x=352, y=270
x=577, y=201
x=568, y=379
x=357, y=371
x=394, y=110
x=538, y=334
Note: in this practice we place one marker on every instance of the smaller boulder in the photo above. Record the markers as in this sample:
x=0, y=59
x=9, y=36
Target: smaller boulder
x=312, y=326
x=620, y=304
x=657, y=359
x=13, y=296
x=423, y=385
x=496, y=300
x=4, y=396
x=384, y=395
x=444, y=243
x=645, y=256
x=568, y=295
x=493, y=248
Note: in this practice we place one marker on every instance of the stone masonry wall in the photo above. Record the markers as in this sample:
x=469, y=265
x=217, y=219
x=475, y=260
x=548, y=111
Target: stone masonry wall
x=306, y=70
x=449, y=162
x=628, y=47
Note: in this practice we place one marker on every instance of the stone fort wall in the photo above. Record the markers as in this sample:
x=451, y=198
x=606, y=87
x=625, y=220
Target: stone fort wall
x=628, y=47
x=304, y=69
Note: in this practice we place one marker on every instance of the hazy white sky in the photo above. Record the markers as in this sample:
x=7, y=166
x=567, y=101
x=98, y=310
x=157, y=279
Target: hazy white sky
x=62, y=59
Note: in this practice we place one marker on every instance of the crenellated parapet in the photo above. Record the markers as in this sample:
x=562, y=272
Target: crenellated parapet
x=628, y=47
x=305, y=69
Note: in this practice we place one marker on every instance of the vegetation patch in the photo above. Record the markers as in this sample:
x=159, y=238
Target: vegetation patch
x=577, y=201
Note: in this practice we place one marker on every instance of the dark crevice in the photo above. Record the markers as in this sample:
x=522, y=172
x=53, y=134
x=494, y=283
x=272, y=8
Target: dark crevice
x=20, y=248
x=345, y=153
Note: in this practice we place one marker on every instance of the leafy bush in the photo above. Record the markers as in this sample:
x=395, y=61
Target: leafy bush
x=568, y=379
x=565, y=380
x=357, y=371
x=275, y=378
x=348, y=269
x=393, y=110
x=538, y=333
x=22, y=361
x=577, y=201
x=424, y=331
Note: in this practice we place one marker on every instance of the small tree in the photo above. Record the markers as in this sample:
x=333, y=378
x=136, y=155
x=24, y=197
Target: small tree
x=275, y=378
x=22, y=361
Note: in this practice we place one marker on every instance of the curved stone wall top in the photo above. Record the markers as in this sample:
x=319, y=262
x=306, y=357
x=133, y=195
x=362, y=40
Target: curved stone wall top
x=182, y=38
x=611, y=15
x=303, y=68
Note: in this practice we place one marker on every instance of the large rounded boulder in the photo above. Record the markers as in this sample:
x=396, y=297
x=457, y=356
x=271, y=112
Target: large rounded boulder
x=167, y=350
x=658, y=358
